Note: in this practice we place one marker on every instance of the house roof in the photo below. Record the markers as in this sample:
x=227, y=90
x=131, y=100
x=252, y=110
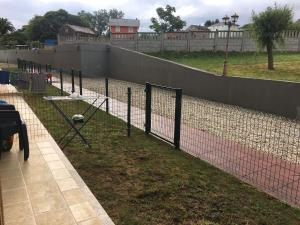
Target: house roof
x=80, y=29
x=124, y=22
x=196, y=28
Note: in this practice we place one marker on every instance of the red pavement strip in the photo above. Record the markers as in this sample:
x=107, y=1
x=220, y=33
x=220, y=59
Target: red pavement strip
x=266, y=171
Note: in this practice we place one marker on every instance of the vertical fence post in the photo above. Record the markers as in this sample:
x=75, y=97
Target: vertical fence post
x=178, y=103
x=162, y=44
x=128, y=111
x=50, y=71
x=73, y=86
x=80, y=82
x=106, y=95
x=61, y=83
x=148, y=91
x=32, y=68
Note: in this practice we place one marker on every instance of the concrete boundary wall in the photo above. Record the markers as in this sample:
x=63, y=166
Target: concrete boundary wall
x=239, y=41
x=277, y=97
x=90, y=58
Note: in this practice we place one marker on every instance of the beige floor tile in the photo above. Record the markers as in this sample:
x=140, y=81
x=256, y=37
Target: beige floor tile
x=34, y=160
x=9, y=164
x=29, y=170
x=47, y=150
x=51, y=202
x=10, y=173
x=17, y=212
x=67, y=184
x=82, y=211
x=38, y=176
x=7, y=156
x=43, y=144
x=42, y=189
x=51, y=157
x=35, y=151
x=75, y=196
x=61, y=174
x=94, y=221
x=61, y=217
x=14, y=196
x=12, y=183
x=56, y=165
x=24, y=221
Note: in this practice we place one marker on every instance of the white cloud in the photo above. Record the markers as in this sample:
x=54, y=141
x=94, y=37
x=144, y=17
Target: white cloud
x=193, y=11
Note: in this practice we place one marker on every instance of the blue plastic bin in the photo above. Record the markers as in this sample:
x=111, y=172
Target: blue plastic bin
x=4, y=77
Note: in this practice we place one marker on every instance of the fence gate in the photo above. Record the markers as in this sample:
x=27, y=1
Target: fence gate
x=163, y=112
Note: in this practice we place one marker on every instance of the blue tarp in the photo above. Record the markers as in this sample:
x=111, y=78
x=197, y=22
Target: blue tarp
x=50, y=42
x=4, y=77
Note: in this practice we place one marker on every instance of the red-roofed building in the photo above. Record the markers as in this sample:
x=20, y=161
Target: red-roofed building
x=124, y=26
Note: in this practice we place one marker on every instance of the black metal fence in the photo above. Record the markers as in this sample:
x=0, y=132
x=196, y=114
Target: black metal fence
x=261, y=149
x=155, y=123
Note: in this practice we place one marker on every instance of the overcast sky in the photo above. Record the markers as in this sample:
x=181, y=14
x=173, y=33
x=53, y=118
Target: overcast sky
x=193, y=11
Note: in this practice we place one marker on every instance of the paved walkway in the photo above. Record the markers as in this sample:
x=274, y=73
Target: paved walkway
x=266, y=171
x=45, y=190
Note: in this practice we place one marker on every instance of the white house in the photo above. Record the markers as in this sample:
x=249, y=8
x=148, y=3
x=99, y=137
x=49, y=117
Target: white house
x=223, y=27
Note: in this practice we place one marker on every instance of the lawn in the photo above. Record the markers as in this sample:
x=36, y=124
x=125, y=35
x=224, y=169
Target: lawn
x=142, y=180
x=287, y=65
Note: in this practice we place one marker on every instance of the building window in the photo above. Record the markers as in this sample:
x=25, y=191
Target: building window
x=117, y=28
x=130, y=29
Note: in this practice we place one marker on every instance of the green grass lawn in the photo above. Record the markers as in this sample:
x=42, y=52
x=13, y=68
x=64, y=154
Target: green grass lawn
x=287, y=65
x=142, y=180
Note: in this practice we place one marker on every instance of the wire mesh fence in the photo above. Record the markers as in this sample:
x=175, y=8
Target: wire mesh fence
x=258, y=148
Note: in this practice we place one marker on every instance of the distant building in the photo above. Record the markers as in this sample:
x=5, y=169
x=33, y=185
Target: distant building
x=124, y=26
x=196, y=28
x=223, y=27
x=74, y=32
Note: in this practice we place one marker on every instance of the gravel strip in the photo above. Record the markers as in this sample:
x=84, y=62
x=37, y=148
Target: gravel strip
x=261, y=131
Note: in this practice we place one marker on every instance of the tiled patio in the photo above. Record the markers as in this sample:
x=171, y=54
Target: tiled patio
x=46, y=189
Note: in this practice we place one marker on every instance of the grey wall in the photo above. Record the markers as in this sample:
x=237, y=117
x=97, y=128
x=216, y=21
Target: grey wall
x=276, y=97
x=90, y=58
x=239, y=41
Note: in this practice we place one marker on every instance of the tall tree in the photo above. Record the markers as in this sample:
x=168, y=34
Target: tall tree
x=15, y=38
x=45, y=27
x=167, y=21
x=6, y=26
x=208, y=23
x=268, y=27
x=295, y=25
x=98, y=20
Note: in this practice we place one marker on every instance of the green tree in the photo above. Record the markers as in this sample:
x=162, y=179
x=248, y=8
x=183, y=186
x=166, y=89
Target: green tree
x=268, y=27
x=247, y=26
x=98, y=20
x=47, y=26
x=15, y=38
x=208, y=23
x=167, y=21
x=6, y=26
x=295, y=25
